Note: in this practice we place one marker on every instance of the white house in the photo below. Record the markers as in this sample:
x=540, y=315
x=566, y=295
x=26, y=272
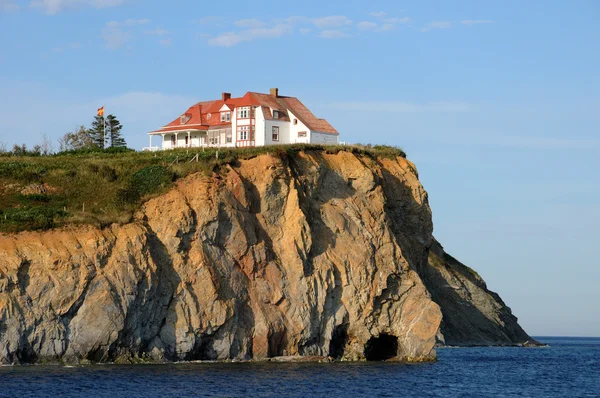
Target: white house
x=252, y=120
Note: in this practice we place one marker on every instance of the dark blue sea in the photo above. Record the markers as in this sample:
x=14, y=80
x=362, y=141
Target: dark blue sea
x=568, y=367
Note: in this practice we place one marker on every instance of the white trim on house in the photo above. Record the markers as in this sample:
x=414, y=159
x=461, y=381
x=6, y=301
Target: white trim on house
x=250, y=124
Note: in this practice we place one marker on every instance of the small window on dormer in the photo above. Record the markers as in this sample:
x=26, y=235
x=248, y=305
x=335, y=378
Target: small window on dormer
x=225, y=116
x=184, y=119
x=295, y=121
x=275, y=114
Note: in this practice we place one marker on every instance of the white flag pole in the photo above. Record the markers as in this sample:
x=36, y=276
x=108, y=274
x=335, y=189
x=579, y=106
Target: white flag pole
x=104, y=119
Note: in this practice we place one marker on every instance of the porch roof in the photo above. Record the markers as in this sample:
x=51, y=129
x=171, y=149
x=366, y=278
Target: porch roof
x=180, y=129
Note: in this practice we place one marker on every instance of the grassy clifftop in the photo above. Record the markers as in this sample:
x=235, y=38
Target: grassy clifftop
x=43, y=192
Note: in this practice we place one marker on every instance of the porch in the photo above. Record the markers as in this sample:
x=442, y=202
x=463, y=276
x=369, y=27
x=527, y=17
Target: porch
x=212, y=137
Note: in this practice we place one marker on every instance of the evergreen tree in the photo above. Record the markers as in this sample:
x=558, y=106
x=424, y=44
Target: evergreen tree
x=96, y=132
x=113, y=129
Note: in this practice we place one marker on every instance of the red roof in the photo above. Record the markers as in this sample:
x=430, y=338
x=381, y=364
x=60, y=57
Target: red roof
x=205, y=114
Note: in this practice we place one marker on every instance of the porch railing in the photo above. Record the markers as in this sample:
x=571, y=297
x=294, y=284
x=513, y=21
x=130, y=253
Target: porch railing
x=244, y=144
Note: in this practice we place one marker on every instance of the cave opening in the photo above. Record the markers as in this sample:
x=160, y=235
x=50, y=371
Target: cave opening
x=381, y=348
x=338, y=342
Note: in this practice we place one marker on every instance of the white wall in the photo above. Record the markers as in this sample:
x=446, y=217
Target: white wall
x=259, y=135
x=294, y=129
x=244, y=122
x=323, y=138
x=284, y=132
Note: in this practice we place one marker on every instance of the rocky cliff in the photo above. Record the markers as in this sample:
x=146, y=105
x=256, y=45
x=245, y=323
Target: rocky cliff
x=314, y=255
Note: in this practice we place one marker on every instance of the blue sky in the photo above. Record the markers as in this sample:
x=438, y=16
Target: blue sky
x=497, y=102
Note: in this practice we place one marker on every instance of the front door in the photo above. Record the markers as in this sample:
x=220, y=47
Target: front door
x=187, y=140
x=173, y=141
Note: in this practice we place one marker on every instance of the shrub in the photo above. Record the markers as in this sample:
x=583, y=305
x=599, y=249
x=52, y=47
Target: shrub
x=35, y=197
x=38, y=217
x=23, y=171
x=151, y=178
x=144, y=182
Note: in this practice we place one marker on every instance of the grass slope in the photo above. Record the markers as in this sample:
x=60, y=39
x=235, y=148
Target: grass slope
x=99, y=188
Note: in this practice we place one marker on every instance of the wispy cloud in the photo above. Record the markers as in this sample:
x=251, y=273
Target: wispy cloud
x=157, y=32
x=249, y=24
x=325, y=27
x=397, y=21
x=117, y=34
x=366, y=25
x=52, y=7
x=162, y=34
x=476, y=21
x=386, y=27
x=210, y=20
x=230, y=39
x=378, y=14
x=437, y=25
x=333, y=34
x=8, y=5
x=165, y=42
x=401, y=106
x=334, y=21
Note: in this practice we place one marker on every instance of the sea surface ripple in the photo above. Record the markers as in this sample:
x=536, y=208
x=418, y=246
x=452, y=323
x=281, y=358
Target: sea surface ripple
x=567, y=367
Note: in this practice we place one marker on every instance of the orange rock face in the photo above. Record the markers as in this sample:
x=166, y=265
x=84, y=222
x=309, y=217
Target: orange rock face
x=315, y=255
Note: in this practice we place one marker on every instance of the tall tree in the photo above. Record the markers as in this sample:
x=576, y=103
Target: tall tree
x=96, y=132
x=113, y=129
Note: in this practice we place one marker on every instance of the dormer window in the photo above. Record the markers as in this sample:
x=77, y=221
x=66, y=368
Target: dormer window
x=275, y=114
x=184, y=119
x=225, y=116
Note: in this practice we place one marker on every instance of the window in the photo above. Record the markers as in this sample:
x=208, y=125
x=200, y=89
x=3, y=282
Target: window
x=225, y=116
x=275, y=114
x=213, y=137
x=243, y=133
x=184, y=119
x=228, y=136
x=295, y=122
x=187, y=140
x=301, y=134
x=275, y=133
x=254, y=111
x=243, y=112
x=173, y=140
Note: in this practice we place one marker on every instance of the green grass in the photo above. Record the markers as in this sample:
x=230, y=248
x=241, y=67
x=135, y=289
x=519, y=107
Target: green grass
x=102, y=188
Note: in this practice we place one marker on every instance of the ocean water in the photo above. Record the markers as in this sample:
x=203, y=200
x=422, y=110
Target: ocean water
x=569, y=367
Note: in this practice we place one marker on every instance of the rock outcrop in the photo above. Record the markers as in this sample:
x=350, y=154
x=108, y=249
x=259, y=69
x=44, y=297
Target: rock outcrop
x=315, y=255
x=472, y=314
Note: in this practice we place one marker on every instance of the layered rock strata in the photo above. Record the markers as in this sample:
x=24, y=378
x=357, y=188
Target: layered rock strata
x=315, y=255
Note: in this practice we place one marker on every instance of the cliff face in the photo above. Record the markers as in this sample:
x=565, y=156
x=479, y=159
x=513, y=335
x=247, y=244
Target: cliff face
x=321, y=254
x=472, y=314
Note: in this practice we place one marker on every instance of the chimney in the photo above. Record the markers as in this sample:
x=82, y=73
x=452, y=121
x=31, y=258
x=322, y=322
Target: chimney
x=225, y=96
x=275, y=92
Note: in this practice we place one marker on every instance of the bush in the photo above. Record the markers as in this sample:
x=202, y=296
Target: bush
x=95, y=150
x=151, y=178
x=35, y=197
x=144, y=182
x=22, y=171
x=39, y=217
